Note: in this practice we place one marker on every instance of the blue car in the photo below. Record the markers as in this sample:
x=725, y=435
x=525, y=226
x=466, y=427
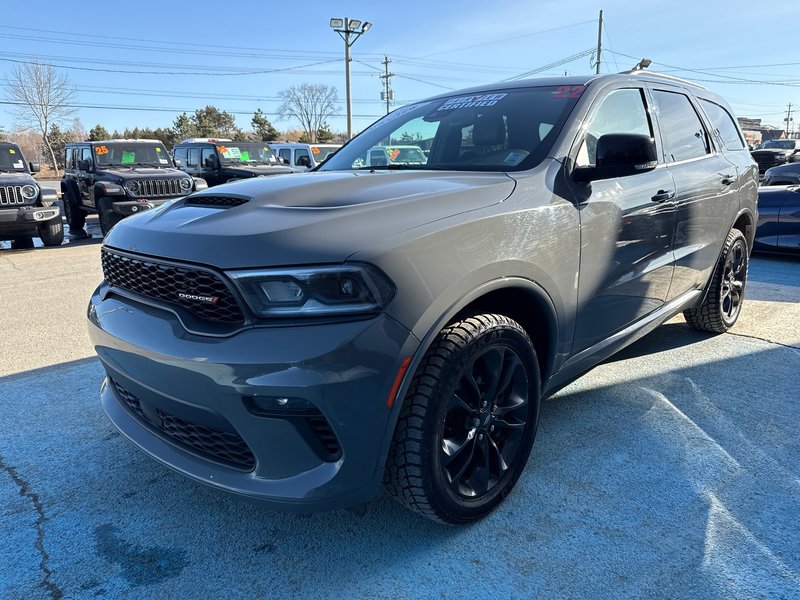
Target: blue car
x=778, y=219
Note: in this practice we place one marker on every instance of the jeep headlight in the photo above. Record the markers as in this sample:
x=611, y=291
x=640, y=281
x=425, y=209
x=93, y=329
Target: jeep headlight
x=315, y=291
x=186, y=184
x=29, y=192
x=132, y=186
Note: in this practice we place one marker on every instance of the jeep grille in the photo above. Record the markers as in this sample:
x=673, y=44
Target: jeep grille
x=11, y=194
x=164, y=282
x=154, y=188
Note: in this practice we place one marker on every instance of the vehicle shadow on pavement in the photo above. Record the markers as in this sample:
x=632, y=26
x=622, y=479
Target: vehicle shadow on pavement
x=673, y=473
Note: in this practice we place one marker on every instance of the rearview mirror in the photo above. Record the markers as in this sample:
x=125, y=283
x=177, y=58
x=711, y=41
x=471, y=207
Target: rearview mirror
x=620, y=155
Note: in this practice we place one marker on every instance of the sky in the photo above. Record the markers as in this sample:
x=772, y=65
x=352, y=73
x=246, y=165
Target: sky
x=142, y=63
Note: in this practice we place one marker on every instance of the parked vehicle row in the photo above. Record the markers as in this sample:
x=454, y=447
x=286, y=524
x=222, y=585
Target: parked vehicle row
x=302, y=340
x=26, y=210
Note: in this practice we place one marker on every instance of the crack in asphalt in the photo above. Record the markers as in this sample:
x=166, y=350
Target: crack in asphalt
x=25, y=490
x=761, y=339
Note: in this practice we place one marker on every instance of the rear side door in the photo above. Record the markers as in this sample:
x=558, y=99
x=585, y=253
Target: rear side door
x=706, y=188
x=627, y=226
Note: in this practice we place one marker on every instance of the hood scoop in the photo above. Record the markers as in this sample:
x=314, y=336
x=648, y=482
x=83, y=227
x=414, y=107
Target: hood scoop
x=217, y=201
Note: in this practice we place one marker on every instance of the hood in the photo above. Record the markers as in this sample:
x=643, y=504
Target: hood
x=320, y=217
x=766, y=151
x=258, y=170
x=124, y=173
x=20, y=178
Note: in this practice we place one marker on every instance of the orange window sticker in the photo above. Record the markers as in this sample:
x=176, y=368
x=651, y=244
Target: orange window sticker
x=314, y=150
x=101, y=150
x=393, y=153
x=222, y=149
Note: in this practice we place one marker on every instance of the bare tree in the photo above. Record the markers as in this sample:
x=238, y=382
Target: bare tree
x=42, y=98
x=309, y=103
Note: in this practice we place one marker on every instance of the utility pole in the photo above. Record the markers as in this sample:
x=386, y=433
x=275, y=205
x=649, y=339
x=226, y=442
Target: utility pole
x=387, y=93
x=599, y=43
x=349, y=30
x=788, y=120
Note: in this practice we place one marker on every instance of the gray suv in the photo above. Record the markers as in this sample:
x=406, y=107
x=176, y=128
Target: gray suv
x=302, y=340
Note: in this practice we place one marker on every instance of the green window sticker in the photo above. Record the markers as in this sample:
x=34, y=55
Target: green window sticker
x=245, y=155
x=128, y=157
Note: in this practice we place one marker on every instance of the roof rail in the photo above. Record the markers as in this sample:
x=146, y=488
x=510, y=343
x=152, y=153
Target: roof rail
x=196, y=140
x=645, y=72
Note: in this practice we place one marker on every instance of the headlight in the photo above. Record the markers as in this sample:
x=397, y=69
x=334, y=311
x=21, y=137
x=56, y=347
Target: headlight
x=132, y=186
x=29, y=192
x=315, y=291
x=186, y=184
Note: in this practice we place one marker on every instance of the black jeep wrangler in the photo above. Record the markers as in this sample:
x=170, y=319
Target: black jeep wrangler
x=119, y=178
x=26, y=210
x=221, y=160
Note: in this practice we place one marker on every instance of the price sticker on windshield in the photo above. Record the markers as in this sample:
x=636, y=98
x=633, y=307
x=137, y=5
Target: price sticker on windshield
x=101, y=150
x=393, y=153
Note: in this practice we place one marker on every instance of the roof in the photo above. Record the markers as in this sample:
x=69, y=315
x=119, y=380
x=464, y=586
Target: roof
x=127, y=141
x=209, y=141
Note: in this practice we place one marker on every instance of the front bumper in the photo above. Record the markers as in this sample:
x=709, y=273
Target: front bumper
x=28, y=215
x=127, y=208
x=191, y=401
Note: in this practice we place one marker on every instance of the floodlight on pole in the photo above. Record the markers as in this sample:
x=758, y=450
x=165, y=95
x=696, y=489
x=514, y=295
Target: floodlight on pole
x=349, y=31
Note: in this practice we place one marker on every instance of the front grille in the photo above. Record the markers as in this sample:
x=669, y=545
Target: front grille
x=221, y=446
x=155, y=188
x=221, y=201
x=11, y=194
x=203, y=293
x=765, y=160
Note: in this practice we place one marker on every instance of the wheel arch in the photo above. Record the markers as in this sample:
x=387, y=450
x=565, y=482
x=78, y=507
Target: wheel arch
x=520, y=299
x=745, y=222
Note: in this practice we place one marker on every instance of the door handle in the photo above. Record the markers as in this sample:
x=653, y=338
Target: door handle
x=663, y=196
x=727, y=179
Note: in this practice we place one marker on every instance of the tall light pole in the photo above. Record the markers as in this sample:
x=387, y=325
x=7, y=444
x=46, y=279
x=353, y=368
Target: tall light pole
x=349, y=31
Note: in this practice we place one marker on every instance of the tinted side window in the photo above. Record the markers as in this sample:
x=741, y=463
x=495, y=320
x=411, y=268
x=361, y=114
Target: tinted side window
x=622, y=111
x=285, y=154
x=681, y=129
x=180, y=154
x=301, y=152
x=194, y=157
x=68, y=158
x=724, y=125
x=206, y=155
x=86, y=154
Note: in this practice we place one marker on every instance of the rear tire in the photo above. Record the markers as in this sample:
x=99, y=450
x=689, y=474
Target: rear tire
x=75, y=216
x=468, y=421
x=52, y=232
x=723, y=302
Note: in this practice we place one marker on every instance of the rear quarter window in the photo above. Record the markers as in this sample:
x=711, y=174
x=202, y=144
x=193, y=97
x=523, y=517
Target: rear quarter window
x=724, y=125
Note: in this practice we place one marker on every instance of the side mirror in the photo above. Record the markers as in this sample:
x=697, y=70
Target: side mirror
x=303, y=161
x=178, y=163
x=84, y=165
x=620, y=155
x=284, y=161
x=35, y=168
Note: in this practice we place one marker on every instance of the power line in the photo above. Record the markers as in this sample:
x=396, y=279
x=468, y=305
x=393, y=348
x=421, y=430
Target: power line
x=169, y=110
x=557, y=63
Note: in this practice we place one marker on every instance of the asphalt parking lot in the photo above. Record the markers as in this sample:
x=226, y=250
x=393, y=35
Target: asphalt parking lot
x=670, y=471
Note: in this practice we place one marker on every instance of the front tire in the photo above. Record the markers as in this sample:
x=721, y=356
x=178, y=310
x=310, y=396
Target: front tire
x=468, y=421
x=723, y=302
x=108, y=218
x=52, y=232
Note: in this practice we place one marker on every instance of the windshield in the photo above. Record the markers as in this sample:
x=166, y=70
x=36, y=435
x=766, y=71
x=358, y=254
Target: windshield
x=246, y=153
x=321, y=153
x=11, y=159
x=504, y=130
x=781, y=144
x=131, y=154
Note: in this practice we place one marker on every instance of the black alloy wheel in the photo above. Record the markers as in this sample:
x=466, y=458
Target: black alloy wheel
x=723, y=302
x=468, y=420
